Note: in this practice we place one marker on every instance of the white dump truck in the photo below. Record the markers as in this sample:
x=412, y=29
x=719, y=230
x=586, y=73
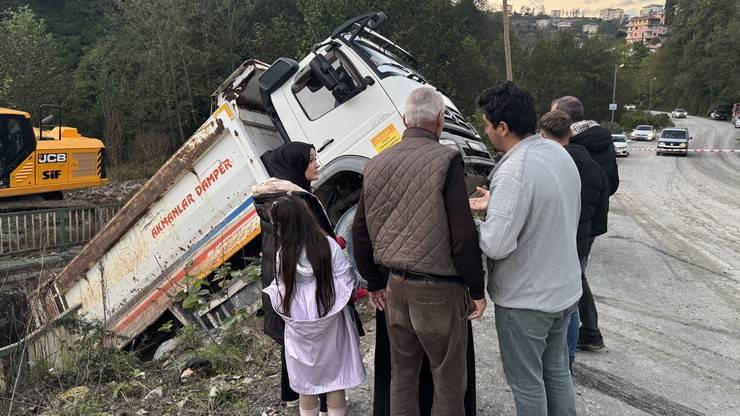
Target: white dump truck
x=196, y=213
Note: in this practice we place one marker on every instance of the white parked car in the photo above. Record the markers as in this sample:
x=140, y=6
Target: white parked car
x=644, y=132
x=621, y=145
x=679, y=113
x=737, y=123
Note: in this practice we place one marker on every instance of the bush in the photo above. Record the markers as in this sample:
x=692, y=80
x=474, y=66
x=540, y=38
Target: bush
x=632, y=119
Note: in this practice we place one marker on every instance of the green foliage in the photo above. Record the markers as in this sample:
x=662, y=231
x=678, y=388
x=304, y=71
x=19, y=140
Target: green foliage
x=697, y=67
x=199, y=292
x=632, y=119
x=166, y=327
x=32, y=71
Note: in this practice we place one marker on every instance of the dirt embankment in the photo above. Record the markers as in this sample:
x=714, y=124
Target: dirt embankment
x=234, y=370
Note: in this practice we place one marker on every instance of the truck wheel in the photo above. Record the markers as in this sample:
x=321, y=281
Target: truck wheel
x=344, y=229
x=657, y=153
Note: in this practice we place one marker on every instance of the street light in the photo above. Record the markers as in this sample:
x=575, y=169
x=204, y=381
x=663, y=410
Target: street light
x=650, y=99
x=614, y=92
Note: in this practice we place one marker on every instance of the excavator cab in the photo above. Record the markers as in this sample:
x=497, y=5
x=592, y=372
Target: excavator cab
x=17, y=142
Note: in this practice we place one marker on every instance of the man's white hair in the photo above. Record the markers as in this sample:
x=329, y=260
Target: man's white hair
x=423, y=106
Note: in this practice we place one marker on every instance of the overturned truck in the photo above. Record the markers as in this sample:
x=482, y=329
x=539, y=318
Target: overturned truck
x=196, y=213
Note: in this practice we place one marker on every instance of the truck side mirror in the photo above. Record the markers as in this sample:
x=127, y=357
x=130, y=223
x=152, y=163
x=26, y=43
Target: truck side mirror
x=324, y=72
x=336, y=80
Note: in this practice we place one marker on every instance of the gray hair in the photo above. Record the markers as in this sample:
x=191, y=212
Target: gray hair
x=571, y=105
x=423, y=106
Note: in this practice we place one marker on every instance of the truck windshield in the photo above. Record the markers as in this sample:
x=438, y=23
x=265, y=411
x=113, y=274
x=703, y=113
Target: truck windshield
x=385, y=61
x=673, y=134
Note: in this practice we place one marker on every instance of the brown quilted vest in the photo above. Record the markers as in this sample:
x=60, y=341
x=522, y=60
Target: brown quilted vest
x=404, y=205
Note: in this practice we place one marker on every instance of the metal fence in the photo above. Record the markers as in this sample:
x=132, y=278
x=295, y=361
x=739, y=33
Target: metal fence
x=52, y=228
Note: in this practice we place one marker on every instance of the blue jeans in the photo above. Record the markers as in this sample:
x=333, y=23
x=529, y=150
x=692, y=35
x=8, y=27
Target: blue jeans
x=534, y=353
x=575, y=322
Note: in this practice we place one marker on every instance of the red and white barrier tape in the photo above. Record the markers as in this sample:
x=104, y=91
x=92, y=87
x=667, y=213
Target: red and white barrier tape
x=643, y=149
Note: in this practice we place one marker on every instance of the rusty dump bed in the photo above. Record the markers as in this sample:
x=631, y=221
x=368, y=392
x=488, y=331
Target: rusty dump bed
x=189, y=218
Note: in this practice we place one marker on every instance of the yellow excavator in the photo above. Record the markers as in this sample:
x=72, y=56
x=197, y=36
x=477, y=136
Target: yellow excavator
x=46, y=160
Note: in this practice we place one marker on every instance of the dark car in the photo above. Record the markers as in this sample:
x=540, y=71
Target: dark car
x=718, y=115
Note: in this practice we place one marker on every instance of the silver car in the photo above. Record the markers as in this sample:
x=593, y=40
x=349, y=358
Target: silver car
x=621, y=145
x=679, y=113
x=644, y=132
x=674, y=140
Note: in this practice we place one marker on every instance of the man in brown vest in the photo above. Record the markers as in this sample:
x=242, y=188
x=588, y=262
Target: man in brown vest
x=413, y=219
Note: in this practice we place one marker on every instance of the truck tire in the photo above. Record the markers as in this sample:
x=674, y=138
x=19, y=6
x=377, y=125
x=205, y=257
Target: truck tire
x=344, y=229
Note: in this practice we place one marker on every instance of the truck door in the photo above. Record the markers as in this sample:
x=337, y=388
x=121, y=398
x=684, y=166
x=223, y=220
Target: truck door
x=339, y=128
x=16, y=144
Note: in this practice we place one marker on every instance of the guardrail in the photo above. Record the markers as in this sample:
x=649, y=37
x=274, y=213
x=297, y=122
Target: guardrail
x=57, y=228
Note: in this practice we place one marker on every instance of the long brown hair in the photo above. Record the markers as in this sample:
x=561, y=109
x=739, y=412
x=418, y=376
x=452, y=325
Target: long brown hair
x=296, y=230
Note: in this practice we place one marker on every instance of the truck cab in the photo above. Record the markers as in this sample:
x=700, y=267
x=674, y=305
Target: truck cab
x=347, y=99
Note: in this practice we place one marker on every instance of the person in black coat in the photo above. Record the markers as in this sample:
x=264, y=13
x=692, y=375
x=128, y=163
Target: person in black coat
x=596, y=139
x=555, y=125
x=598, y=142
x=292, y=167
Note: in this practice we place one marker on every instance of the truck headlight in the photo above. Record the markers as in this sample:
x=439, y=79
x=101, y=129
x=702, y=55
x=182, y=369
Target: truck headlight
x=682, y=145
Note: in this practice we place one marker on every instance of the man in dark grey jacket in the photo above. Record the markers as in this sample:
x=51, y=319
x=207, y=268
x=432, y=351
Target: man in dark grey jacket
x=598, y=141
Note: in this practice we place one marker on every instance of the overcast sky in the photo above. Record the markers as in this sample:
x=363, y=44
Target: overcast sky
x=592, y=7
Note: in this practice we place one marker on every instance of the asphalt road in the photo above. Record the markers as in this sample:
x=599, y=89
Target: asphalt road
x=666, y=278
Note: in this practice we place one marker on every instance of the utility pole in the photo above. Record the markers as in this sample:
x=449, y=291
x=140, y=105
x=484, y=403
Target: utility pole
x=650, y=100
x=507, y=44
x=614, y=91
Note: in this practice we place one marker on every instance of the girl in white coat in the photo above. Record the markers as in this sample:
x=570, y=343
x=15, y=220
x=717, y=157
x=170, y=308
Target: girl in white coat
x=311, y=290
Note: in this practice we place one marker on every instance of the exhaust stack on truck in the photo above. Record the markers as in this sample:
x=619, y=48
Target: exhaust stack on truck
x=196, y=213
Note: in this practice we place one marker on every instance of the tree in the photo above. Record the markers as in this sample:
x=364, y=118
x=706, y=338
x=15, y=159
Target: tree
x=697, y=66
x=31, y=66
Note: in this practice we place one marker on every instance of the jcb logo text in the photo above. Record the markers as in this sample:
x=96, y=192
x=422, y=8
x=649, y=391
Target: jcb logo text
x=52, y=157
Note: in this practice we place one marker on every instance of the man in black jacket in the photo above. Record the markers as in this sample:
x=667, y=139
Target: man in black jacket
x=595, y=191
x=596, y=139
